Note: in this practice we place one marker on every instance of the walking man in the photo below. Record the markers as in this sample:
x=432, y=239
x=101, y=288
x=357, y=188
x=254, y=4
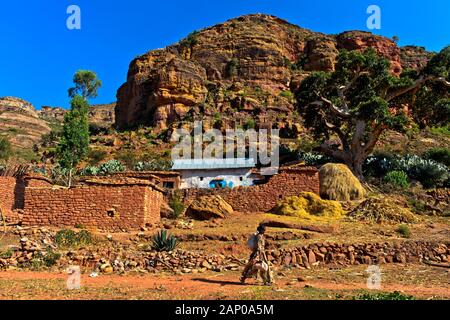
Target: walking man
x=258, y=263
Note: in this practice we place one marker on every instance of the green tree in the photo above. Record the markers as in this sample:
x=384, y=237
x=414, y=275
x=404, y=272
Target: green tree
x=5, y=149
x=360, y=100
x=86, y=84
x=74, y=143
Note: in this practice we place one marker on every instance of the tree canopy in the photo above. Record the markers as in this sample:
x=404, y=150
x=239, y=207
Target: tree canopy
x=86, y=84
x=361, y=98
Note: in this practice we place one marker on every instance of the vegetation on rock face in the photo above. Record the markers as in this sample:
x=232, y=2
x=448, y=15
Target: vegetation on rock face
x=338, y=183
x=308, y=205
x=5, y=149
x=361, y=99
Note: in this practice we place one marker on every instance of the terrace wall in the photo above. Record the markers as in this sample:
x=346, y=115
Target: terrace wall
x=106, y=207
x=262, y=198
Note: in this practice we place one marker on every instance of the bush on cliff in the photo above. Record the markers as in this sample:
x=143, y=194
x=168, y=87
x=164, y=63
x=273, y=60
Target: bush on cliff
x=308, y=205
x=338, y=183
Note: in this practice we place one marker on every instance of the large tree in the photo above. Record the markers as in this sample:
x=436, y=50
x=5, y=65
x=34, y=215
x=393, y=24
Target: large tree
x=86, y=84
x=348, y=109
x=74, y=143
x=73, y=146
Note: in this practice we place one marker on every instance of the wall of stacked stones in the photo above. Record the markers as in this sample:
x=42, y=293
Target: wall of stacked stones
x=264, y=197
x=11, y=197
x=112, y=208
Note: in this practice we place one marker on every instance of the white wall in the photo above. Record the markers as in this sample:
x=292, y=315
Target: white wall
x=202, y=178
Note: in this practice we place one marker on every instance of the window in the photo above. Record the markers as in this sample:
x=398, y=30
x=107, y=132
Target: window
x=168, y=185
x=111, y=213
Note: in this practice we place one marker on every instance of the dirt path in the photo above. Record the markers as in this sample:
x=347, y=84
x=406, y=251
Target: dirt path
x=42, y=285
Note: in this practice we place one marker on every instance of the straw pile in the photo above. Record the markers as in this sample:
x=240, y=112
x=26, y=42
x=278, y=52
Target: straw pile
x=338, y=183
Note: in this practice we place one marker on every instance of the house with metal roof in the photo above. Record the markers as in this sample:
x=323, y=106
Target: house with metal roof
x=215, y=173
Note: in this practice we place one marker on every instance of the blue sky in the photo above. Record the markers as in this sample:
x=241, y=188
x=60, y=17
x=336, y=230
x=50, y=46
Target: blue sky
x=39, y=54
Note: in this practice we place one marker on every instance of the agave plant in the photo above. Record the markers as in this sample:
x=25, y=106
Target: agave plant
x=163, y=241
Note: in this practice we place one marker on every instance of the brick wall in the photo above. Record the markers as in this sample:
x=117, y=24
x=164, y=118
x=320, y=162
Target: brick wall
x=262, y=198
x=106, y=207
x=11, y=197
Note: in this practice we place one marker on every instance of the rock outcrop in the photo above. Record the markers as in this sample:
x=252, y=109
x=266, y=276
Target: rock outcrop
x=209, y=207
x=101, y=114
x=243, y=69
x=20, y=122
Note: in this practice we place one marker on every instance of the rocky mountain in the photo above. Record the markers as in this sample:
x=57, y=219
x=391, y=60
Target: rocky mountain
x=100, y=114
x=20, y=122
x=24, y=125
x=239, y=72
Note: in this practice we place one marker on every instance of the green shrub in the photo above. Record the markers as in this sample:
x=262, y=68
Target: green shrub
x=128, y=158
x=5, y=149
x=154, y=165
x=67, y=238
x=51, y=258
x=231, y=69
x=379, y=164
x=441, y=155
x=397, y=179
x=287, y=94
x=250, y=124
x=6, y=254
x=404, y=231
x=162, y=241
x=177, y=205
x=428, y=172
x=384, y=296
x=96, y=156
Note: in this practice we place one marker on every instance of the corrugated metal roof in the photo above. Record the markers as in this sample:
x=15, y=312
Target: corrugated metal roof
x=211, y=164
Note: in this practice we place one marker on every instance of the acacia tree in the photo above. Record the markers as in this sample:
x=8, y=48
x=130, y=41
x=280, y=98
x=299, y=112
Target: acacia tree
x=361, y=99
x=73, y=146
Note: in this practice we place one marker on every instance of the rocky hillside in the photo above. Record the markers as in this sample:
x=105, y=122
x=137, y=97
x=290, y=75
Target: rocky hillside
x=20, y=122
x=24, y=125
x=242, y=71
x=100, y=114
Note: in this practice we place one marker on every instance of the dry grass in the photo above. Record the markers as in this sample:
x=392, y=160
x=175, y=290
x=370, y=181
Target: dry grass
x=309, y=206
x=338, y=183
x=383, y=209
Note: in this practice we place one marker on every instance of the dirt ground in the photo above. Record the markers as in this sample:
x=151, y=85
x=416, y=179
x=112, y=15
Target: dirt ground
x=422, y=282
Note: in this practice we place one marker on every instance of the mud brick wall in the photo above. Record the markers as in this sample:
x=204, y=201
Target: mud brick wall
x=109, y=208
x=264, y=197
x=11, y=197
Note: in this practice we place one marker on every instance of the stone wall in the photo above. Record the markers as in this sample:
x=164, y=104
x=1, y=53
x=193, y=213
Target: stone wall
x=106, y=207
x=11, y=197
x=262, y=198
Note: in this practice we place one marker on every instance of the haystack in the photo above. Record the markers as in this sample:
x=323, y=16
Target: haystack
x=308, y=205
x=338, y=183
x=383, y=209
